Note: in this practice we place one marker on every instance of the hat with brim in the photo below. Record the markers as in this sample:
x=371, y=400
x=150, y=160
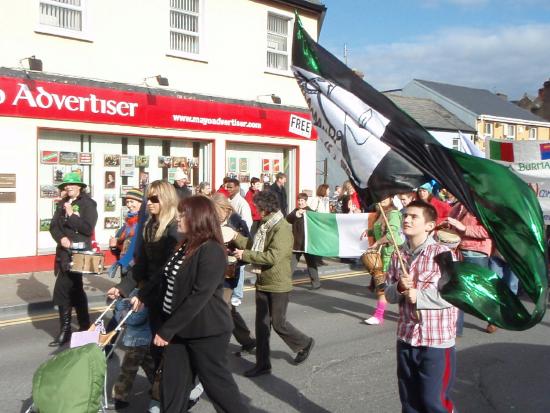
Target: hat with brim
x=72, y=178
x=135, y=194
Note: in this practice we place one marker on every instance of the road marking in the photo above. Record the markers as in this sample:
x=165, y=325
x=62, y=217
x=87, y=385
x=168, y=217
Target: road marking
x=53, y=316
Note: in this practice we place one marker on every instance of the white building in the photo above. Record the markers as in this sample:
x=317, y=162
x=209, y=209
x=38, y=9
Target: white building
x=100, y=101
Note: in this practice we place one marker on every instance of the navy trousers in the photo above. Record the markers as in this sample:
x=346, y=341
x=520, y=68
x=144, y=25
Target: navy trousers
x=425, y=376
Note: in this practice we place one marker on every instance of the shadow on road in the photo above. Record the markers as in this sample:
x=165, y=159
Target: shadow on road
x=503, y=377
x=301, y=295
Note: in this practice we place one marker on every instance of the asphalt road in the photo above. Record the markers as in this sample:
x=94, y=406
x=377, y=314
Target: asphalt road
x=352, y=368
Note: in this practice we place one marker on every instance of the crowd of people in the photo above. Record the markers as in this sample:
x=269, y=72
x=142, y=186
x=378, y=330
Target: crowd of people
x=182, y=274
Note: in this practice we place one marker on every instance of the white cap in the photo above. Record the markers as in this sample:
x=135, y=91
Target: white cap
x=180, y=175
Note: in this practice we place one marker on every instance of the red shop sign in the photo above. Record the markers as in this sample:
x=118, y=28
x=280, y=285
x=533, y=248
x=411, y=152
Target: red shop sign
x=29, y=98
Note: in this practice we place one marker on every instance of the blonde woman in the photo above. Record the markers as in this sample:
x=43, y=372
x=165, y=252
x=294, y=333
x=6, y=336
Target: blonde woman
x=160, y=237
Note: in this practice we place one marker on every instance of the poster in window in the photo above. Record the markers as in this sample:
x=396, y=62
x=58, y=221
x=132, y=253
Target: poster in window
x=111, y=160
x=45, y=225
x=111, y=223
x=142, y=161
x=79, y=170
x=124, y=189
x=266, y=165
x=180, y=162
x=109, y=203
x=127, y=165
x=243, y=165
x=68, y=158
x=59, y=172
x=165, y=161
x=171, y=174
x=110, y=180
x=49, y=191
x=276, y=166
x=231, y=164
x=265, y=178
x=49, y=157
x=85, y=158
x=143, y=180
x=244, y=178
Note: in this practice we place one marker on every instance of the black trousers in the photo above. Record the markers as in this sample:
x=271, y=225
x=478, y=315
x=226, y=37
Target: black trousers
x=240, y=329
x=271, y=311
x=203, y=357
x=69, y=290
x=311, y=262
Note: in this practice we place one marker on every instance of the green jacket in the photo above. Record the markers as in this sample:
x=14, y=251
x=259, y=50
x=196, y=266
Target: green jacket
x=276, y=275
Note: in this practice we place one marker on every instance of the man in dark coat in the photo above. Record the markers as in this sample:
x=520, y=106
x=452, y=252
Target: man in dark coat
x=72, y=227
x=278, y=188
x=180, y=183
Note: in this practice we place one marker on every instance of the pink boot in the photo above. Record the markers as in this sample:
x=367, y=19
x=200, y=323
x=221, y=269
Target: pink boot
x=378, y=317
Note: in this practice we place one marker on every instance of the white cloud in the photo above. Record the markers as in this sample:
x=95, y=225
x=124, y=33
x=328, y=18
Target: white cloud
x=512, y=60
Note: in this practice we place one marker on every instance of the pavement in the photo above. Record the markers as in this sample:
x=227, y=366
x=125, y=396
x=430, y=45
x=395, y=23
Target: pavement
x=30, y=294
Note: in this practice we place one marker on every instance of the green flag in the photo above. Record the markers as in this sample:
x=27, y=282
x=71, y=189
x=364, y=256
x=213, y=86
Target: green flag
x=384, y=151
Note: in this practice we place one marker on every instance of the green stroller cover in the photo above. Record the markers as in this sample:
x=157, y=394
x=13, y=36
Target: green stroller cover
x=71, y=382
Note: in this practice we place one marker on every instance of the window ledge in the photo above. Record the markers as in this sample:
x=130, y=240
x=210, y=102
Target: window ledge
x=284, y=73
x=196, y=58
x=69, y=34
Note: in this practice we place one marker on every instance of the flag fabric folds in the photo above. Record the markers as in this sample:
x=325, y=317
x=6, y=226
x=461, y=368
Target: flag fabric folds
x=336, y=235
x=384, y=151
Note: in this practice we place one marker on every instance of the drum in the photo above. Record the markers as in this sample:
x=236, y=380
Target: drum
x=87, y=262
x=227, y=234
x=448, y=237
x=231, y=267
x=372, y=261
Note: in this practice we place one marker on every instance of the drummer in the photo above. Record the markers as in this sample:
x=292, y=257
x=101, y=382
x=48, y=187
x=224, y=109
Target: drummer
x=384, y=237
x=73, y=223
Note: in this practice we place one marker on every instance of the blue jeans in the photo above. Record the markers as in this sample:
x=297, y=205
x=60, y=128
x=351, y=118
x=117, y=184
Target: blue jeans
x=238, y=291
x=425, y=376
x=472, y=257
x=503, y=270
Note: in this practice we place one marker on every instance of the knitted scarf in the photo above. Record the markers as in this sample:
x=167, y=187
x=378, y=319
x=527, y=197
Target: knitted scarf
x=261, y=235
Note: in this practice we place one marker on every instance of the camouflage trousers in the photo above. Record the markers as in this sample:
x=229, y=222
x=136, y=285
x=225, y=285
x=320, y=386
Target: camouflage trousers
x=134, y=358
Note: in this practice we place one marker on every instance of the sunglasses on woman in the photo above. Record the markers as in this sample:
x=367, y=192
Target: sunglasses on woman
x=154, y=199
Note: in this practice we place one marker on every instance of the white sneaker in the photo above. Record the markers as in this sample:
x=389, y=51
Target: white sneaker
x=235, y=302
x=372, y=321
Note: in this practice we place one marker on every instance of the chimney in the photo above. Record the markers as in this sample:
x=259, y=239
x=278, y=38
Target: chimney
x=502, y=96
x=358, y=73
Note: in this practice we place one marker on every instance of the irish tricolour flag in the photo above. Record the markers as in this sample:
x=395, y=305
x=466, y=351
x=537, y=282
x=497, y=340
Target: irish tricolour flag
x=336, y=235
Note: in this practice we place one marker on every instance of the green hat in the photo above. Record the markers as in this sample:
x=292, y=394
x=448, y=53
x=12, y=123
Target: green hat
x=72, y=178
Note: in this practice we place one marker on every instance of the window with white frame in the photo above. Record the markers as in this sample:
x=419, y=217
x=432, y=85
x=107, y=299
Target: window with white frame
x=277, y=42
x=509, y=131
x=488, y=129
x=533, y=133
x=456, y=143
x=185, y=26
x=63, y=16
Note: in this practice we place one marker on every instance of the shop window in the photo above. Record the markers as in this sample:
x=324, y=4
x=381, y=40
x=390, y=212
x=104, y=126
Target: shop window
x=277, y=42
x=64, y=18
x=186, y=27
x=110, y=165
x=533, y=134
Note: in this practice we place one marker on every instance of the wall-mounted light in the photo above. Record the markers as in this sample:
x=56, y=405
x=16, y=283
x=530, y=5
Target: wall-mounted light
x=162, y=81
x=34, y=63
x=274, y=98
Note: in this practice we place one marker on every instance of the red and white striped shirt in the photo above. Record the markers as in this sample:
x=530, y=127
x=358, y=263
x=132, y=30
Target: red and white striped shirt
x=431, y=322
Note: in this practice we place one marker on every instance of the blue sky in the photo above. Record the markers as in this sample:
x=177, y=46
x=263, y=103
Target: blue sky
x=500, y=45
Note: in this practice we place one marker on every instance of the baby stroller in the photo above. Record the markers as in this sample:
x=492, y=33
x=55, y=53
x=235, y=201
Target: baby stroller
x=75, y=380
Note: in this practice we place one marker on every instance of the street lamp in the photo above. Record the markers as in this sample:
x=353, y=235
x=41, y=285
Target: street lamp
x=162, y=81
x=34, y=63
x=274, y=98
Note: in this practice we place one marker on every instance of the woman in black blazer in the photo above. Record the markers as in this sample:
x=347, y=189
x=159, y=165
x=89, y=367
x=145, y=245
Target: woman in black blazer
x=196, y=324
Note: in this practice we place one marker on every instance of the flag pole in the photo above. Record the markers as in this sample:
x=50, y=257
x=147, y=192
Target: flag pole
x=394, y=242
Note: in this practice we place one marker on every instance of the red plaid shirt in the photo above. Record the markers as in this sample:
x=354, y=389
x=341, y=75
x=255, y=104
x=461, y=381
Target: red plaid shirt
x=419, y=326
